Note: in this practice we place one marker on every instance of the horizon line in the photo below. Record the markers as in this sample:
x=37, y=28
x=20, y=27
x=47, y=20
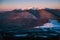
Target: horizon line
x=26, y=9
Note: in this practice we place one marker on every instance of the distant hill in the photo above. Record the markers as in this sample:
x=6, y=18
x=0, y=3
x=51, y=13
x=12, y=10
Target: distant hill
x=54, y=12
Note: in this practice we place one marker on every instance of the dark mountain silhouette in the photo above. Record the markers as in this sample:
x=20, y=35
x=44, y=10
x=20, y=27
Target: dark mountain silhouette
x=27, y=19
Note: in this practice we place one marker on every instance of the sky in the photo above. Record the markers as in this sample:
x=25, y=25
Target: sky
x=27, y=4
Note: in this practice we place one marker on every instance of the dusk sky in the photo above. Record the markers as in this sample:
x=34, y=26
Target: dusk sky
x=26, y=4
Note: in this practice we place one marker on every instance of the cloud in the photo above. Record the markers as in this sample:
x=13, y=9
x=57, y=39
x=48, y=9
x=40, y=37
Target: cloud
x=53, y=23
